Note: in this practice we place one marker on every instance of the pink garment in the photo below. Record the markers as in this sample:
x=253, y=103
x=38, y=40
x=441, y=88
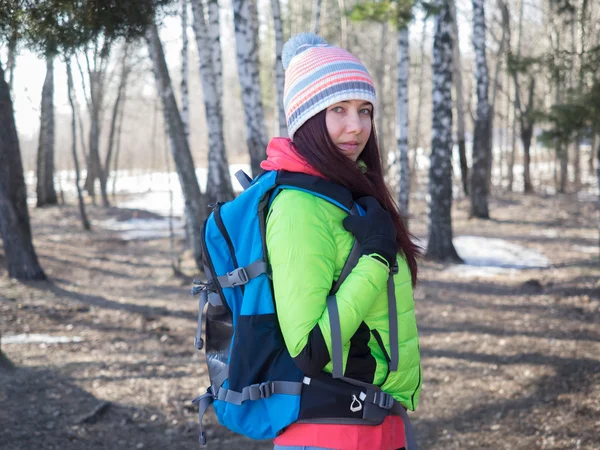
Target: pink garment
x=282, y=155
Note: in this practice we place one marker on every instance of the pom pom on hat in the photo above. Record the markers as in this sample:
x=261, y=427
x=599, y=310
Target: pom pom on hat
x=298, y=44
x=318, y=75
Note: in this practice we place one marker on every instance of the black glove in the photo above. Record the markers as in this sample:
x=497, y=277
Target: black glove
x=375, y=232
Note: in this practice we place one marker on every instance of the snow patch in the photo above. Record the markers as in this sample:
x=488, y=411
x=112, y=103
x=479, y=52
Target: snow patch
x=39, y=339
x=141, y=229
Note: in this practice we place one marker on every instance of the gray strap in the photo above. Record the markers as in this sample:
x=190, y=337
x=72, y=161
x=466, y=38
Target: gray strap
x=351, y=261
x=337, y=355
x=204, y=401
x=258, y=391
x=243, y=179
x=409, y=434
x=350, y=264
x=198, y=341
x=242, y=275
x=393, y=318
x=217, y=381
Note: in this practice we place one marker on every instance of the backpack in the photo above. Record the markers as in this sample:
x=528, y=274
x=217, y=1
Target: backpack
x=256, y=388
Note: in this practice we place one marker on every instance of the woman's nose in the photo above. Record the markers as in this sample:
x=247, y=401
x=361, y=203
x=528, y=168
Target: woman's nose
x=354, y=124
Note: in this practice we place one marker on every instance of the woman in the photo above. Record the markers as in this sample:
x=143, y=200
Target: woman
x=329, y=103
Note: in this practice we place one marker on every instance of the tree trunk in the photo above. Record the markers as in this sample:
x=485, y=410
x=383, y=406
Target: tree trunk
x=595, y=141
x=481, y=138
x=125, y=69
x=46, y=194
x=379, y=83
x=343, y=24
x=12, y=56
x=246, y=37
x=316, y=16
x=218, y=187
x=118, y=149
x=460, y=104
x=214, y=35
x=185, y=98
x=421, y=78
x=440, y=246
x=184, y=163
x=84, y=220
x=281, y=126
x=14, y=216
x=526, y=134
x=402, y=121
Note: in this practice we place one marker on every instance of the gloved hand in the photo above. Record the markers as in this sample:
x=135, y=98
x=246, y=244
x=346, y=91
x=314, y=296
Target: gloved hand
x=375, y=232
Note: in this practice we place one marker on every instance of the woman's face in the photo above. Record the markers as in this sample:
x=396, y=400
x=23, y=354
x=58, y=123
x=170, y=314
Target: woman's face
x=349, y=126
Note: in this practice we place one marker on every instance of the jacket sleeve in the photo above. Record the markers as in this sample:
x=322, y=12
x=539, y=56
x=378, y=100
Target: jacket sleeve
x=302, y=252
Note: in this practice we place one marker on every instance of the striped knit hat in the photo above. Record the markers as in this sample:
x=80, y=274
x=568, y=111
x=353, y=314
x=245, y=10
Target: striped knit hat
x=318, y=75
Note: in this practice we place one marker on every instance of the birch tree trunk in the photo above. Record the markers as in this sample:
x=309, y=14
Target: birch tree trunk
x=460, y=104
x=481, y=138
x=281, y=126
x=402, y=122
x=214, y=35
x=517, y=109
x=12, y=56
x=343, y=24
x=97, y=75
x=185, y=98
x=218, y=187
x=440, y=246
x=84, y=219
x=125, y=70
x=14, y=216
x=316, y=16
x=46, y=194
x=245, y=21
x=380, y=85
x=194, y=200
x=421, y=80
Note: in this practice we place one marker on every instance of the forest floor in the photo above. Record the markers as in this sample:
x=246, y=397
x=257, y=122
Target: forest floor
x=511, y=360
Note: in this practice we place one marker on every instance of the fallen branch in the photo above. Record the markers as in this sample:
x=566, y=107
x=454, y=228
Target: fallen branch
x=98, y=411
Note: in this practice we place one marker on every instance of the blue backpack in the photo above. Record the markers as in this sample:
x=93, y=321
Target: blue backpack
x=256, y=388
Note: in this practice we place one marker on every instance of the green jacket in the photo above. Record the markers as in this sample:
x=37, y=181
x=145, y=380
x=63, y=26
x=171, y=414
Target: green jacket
x=307, y=247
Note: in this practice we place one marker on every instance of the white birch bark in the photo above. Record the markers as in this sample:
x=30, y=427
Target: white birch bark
x=460, y=103
x=246, y=37
x=84, y=219
x=421, y=81
x=316, y=16
x=218, y=187
x=46, y=194
x=402, y=121
x=281, y=126
x=380, y=86
x=214, y=34
x=185, y=98
x=481, y=139
x=343, y=24
x=194, y=200
x=440, y=246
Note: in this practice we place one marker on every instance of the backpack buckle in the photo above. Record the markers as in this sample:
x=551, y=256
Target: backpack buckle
x=262, y=390
x=384, y=400
x=237, y=277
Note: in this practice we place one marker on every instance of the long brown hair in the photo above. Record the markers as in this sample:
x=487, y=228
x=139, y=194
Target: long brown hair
x=313, y=143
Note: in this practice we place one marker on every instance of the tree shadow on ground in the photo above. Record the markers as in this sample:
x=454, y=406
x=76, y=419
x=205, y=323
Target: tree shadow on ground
x=571, y=375
x=45, y=409
x=102, y=302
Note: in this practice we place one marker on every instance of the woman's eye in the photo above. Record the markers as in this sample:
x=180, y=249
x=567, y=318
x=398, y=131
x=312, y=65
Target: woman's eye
x=365, y=111
x=337, y=109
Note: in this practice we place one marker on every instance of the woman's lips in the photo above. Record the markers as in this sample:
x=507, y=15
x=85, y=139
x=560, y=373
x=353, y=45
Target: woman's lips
x=349, y=146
